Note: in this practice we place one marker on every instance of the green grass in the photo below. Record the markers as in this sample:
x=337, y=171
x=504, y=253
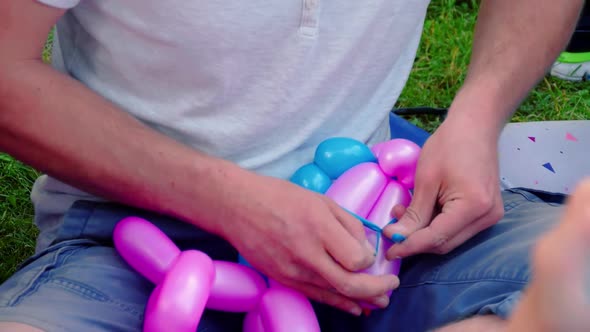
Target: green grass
x=442, y=60
x=438, y=73
x=17, y=233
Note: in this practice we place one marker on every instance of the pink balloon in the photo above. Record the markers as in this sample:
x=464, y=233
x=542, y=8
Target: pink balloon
x=179, y=300
x=358, y=188
x=376, y=149
x=145, y=248
x=399, y=158
x=253, y=322
x=237, y=288
x=283, y=309
x=380, y=215
x=372, y=190
x=393, y=194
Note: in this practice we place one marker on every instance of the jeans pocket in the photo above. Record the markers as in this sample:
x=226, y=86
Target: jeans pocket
x=33, y=271
x=59, y=246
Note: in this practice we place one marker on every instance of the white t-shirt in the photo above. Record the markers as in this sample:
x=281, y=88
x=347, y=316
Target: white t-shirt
x=260, y=83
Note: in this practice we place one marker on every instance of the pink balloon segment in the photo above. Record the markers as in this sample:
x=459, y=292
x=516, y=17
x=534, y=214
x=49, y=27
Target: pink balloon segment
x=371, y=190
x=188, y=282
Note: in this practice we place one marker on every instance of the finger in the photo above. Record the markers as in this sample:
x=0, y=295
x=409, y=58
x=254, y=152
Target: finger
x=347, y=242
x=418, y=214
x=443, y=228
x=307, y=277
x=333, y=298
x=444, y=247
x=470, y=231
x=350, y=222
x=484, y=222
x=398, y=211
x=298, y=270
x=355, y=285
x=326, y=296
x=489, y=219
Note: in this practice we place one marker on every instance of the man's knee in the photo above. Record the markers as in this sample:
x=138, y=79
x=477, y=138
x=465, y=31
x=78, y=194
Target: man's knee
x=17, y=327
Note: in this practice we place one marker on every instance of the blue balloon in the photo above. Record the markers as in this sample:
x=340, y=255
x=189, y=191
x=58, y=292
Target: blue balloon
x=311, y=177
x=338, y=154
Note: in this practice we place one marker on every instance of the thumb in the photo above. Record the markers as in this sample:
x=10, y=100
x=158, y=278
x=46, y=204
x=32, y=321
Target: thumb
x=417, y=216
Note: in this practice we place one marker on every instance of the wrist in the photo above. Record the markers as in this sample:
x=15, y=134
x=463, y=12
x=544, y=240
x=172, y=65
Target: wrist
x=205, y=199
x=480, y=108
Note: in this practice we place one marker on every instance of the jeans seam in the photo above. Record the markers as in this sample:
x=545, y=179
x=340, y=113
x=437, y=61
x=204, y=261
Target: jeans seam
x=79, y=289
x=64, y=234
x=502, y=305
x=511, y=206
x=438, y=283
x=92, y=294
x=87, y=217
x=50, y=249
x=41, y=276
x=528, y=196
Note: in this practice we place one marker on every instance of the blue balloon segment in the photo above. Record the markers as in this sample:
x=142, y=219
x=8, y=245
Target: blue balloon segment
x=370, y=226
x=243, y=261
x=365, y=222
x=337, y=155
x=311, y=177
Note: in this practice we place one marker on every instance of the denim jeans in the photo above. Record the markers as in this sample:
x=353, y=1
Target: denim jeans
x=80, y=283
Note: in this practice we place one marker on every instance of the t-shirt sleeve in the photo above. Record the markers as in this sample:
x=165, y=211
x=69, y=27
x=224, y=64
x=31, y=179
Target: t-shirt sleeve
x=63, y=4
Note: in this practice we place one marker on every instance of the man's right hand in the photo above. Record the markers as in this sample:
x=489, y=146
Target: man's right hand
x=305, y=241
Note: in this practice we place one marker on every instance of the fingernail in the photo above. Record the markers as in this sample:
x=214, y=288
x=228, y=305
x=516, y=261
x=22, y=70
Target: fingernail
x=398, y=238
x=357, y=311
x=382, y=301
x=392, y=258
x=394, y=283
x=392, y=221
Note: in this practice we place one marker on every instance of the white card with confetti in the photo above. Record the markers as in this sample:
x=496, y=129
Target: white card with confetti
x=551, y=156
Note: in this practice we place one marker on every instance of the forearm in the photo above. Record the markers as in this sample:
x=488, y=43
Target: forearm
x=515, y=43
x=60, y=127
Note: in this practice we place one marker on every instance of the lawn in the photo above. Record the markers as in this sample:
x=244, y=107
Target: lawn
x=438, y=73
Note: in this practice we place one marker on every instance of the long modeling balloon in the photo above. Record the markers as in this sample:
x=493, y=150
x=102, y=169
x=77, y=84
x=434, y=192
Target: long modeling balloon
x=183, y=279
x=284, y=310
x=187, y=282
x=366, y=182
x=369, y=185
x=237, y=288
